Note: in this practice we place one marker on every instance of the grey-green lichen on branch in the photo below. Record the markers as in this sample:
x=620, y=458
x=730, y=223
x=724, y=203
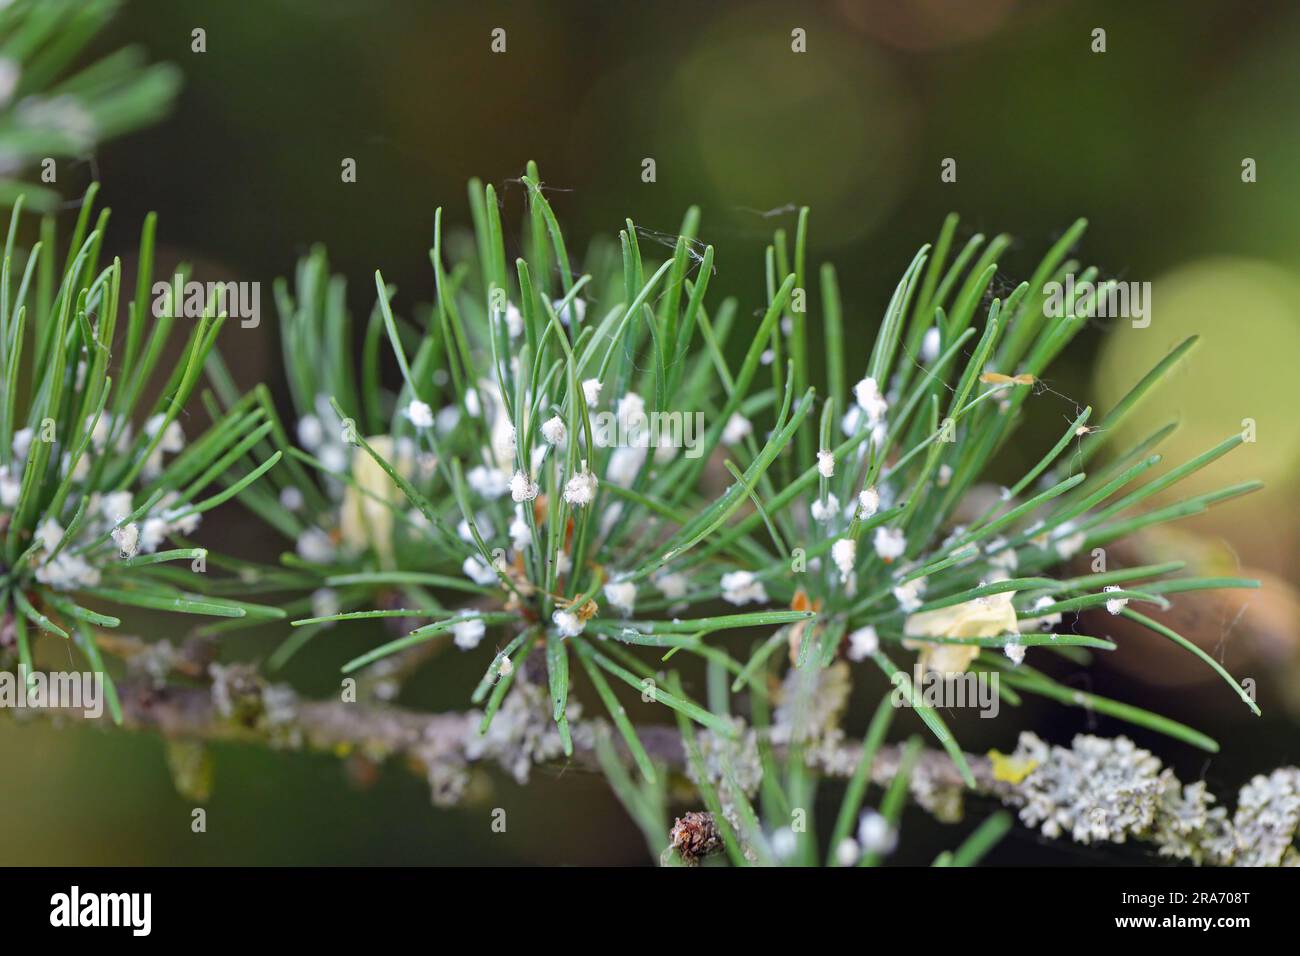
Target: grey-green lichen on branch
x=1097, y=790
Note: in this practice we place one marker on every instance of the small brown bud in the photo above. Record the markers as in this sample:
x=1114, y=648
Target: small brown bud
x=695, y=836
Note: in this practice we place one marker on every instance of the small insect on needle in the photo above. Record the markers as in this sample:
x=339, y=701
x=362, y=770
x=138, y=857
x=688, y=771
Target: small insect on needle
x=997, y=378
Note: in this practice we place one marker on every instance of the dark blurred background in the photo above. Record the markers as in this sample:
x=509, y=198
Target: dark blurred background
x=1146, y=140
